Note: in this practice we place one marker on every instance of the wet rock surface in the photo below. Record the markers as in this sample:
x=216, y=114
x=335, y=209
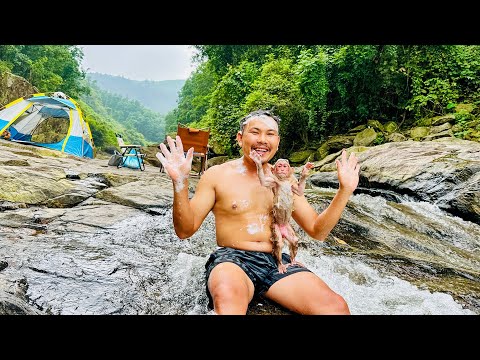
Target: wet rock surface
x=80, y=237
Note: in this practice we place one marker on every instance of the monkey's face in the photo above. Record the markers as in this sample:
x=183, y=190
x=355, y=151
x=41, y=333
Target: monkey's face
x=282, y=169
x=260, y=134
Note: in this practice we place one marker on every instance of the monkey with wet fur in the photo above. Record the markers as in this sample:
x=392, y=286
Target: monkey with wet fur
x=284, y=184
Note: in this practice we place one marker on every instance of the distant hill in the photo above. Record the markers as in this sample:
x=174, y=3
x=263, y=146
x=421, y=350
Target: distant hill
x=135, y=122
x=159, y=96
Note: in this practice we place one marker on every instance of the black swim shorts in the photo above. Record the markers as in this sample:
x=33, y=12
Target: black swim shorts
x=260, y=267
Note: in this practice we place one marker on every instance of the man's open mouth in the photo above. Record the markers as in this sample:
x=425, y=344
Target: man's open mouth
x=260, y=151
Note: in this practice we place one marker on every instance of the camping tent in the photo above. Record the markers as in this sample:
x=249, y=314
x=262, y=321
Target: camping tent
x=37, y=119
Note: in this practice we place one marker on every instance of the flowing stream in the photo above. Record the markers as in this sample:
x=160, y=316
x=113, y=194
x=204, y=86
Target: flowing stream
x=384, y=257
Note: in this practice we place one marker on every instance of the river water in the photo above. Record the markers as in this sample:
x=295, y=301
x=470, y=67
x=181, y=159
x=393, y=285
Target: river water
x=384, y=257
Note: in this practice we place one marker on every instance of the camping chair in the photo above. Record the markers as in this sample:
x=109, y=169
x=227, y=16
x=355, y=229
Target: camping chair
x=198, y=139
x=129, y=151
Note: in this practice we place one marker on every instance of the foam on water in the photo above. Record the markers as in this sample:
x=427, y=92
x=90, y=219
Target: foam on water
x=369, y=293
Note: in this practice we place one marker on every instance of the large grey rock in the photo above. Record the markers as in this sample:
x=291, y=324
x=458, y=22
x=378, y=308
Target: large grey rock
x=441, y=171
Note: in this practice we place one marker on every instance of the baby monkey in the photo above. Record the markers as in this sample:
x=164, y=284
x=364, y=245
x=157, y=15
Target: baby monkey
x=284, y=184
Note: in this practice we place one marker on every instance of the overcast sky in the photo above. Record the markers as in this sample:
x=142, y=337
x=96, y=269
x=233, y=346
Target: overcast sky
x=140, y=62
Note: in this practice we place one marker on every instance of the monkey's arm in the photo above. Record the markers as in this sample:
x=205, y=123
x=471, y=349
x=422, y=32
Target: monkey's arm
x=299, y=188
x=266, y=181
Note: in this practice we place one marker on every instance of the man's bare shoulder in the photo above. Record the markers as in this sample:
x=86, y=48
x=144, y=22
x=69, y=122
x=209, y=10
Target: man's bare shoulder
x=221, y=170
x=228, y=165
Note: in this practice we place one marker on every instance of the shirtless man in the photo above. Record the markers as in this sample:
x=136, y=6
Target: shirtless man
x=243, y=265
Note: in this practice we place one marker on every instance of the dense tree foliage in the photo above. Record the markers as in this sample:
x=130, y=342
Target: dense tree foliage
x=131, y=114
x=196, y=94
x=103, y=128
x=224, y=111
x=311, y=77
x=47, y=67
x=276, y=89
x=440, y=75
x=105, y=119
x=319, y=90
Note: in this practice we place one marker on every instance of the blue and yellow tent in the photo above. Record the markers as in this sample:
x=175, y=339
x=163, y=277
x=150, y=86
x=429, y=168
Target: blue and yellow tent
x=22, y=117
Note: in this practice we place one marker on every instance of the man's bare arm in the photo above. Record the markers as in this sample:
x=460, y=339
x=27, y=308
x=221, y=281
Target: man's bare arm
x=188, y=215
x=318, y=226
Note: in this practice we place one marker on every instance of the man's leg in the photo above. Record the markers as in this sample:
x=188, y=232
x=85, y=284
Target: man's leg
x=305, y=293
x=231, y=289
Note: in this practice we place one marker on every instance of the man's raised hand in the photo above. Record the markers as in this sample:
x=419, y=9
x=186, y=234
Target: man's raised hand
x=175, y=162
x=348, y=171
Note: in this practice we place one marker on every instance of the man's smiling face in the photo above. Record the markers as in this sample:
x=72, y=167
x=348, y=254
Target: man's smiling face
x=260, y=134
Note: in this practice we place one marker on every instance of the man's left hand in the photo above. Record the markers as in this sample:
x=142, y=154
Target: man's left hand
x=348, y=171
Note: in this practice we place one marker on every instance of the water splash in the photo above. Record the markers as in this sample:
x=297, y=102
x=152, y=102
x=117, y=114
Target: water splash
x=369, y=293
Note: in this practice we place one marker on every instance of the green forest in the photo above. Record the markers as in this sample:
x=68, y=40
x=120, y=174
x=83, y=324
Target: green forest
x=317, y=90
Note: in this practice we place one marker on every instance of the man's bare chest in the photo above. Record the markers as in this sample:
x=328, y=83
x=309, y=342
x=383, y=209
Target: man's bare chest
x=243, y=196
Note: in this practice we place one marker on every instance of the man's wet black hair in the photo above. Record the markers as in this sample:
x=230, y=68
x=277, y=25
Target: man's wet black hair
x=258, y=113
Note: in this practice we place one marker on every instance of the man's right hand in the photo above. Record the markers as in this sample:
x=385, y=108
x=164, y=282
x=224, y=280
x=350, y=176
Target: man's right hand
x=175, y=162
